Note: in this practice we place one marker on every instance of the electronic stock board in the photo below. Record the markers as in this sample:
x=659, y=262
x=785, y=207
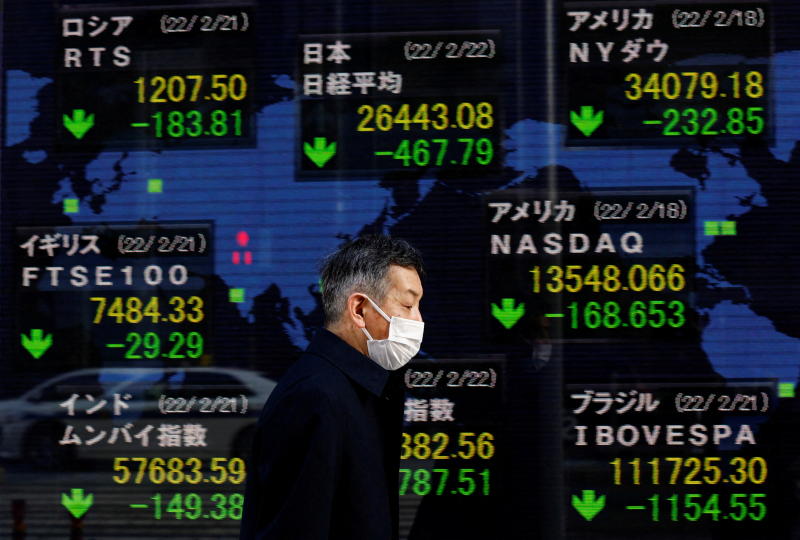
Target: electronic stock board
x=603, y=193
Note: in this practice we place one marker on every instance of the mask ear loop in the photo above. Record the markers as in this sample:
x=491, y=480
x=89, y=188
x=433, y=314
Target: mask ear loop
x=379, y=310
x=383, y=314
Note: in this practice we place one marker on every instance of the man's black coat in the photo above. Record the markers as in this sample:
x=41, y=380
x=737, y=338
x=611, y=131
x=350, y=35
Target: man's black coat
x=326, y=451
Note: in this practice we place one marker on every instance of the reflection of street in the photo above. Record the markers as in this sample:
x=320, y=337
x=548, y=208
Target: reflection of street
x=110, y=516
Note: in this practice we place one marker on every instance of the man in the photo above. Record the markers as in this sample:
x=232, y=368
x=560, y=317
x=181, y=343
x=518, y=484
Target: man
x=326, y=450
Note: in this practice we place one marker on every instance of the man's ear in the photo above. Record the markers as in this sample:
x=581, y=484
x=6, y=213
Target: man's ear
x=355, y=309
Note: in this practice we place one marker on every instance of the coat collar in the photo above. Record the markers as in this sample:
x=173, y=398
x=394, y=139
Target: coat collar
x=358, y=367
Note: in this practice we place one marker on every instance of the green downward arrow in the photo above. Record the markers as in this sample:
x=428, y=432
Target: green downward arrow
x=508, y=315
x=321, y=152
x=77, y=504
x=587, y=121
x=79, y=124
x=37, y=344
x=588, y=505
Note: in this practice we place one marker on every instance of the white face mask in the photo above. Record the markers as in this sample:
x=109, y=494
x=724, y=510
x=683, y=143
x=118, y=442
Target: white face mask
x=405, y=338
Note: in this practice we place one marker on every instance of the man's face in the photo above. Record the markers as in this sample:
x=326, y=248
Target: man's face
x=402, y=300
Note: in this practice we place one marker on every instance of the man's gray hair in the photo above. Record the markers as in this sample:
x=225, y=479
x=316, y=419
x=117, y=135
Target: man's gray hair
x=362, y=265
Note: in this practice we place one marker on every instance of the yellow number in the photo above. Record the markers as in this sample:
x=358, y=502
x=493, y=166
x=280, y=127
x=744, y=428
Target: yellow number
x=671, y=79
x=593, y=278
x=178, y=315
x=676, y=469
x=485, y=120
x=133, y=310
x=237, y=96
x=443, y=123
x=151, y=310
x=223, y=472
x=142, y=469
x=709, y=83
x=421, y=116
x=403, y=117
x=196, y=304
x=423, y=441
x=176, y=82
x=236, y=470
x=471, y=447
x=198, y=83
x=742, y=470
x=160, y=84
x=556, y=274
x=755, y=84
x=485, y=445
x=406, y=446
x=175, y=470
x=611, y=281
x=675, y=279
x=195, y=465
x=635, y=91
x=653, y=85
x=575, y=276
x=383, y=117
x=693, y=76
x=116, y=310
x=156, y=472
x=217, y=82
x=126, y=472
x=368, y=113
x=98, y=315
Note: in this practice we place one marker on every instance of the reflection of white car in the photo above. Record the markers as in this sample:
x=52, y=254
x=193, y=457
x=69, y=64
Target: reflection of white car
x=32, y=425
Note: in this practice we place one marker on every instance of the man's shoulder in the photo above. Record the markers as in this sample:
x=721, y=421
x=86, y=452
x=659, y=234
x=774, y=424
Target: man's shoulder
x=311, y=379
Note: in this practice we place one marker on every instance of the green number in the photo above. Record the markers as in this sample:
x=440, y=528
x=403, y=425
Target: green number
x=485, y=474
x=693, y=126
x=654, y=310
x=219, y=123
x=175, y=506
x=442, y=150
x=637, y=315
x=194, y=345
x=237, y=122
x=742, y=508
x=175, y=124
x=762, y=508
x=406, y=474
x=695, y=507
x=194, y=505
x=195, y=127
x=159, y=122
x=442, y=480
x=679, y=318
x=137, y=341
x=484, y=152
x=711, y=114
x=467, y=150
x=611, y=315
x=219, y=511
x=179, y=339
x=421, y=154
x=592, y=317
x=712, y=507
x=735, y=121
x=670, y=127
x=156, y=505
x=463, y=477
x=403, y=152
x=152, y=345
x=756, y=118
x=422, y=482
x=235, y=502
